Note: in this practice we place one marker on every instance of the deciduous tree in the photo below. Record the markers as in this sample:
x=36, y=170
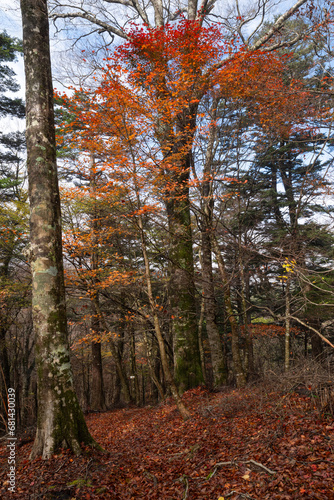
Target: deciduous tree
x=60, y=419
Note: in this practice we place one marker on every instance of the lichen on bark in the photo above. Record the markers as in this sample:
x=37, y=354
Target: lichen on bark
x=60, y=421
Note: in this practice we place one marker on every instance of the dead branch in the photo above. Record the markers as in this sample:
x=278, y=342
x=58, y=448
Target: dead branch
x=261, y=466
x=313, y=330
x=232, y=462
x=234, y=492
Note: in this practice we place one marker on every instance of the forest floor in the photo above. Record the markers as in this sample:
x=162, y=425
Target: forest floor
x=239, y=444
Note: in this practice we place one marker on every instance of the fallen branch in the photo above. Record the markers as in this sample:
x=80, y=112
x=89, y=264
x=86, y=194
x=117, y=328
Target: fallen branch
x=232, y=462
x=219, y=464
x=152, y=477
x=245, y=495
x=184, y=479
x=260, y=465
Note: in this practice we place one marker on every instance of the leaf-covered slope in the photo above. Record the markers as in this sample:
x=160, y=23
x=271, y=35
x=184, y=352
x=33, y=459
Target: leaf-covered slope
x=239, y=444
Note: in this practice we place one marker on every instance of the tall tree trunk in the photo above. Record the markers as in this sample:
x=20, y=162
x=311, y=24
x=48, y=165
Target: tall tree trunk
x=237, y=364
x=164, y=361
x=216, y=349
x=4, y=325
x=287, y=324
x=249, y=361
x=97, y=399
x=97, y=389
x=200, y=340
x=177, y=153
x=207, y=201
x=60, y=420
x=187, y=364
x=153, y=375
x=133, y=366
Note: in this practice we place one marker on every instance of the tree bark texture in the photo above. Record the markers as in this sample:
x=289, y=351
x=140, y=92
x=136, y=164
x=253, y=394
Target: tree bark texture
x=4, y=325
x=60, y=420
x=187, y=362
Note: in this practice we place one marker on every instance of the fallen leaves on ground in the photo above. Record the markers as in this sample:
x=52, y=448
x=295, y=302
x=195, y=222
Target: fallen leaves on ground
x=245, y=444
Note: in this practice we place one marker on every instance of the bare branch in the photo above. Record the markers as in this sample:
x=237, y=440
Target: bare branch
x=91, y=18
x=277, y=25
x=313, y=330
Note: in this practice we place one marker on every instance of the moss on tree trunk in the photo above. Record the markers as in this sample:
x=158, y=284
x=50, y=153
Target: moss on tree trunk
x=60, y=421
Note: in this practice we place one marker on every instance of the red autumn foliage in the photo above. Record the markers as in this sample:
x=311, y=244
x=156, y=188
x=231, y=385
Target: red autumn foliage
x=268, y=330
x=145, y=108
x=238, y=444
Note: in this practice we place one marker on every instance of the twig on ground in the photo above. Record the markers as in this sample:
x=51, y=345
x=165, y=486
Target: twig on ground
x=152, y=477
x=87, y=468
x=62, y=465
x=184, y=479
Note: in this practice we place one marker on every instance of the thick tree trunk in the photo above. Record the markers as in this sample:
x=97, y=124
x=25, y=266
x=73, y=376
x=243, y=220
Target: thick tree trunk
x=176, y=139
x=60, y=419
x=200, y=341
x=4, y=325
x=187, y=364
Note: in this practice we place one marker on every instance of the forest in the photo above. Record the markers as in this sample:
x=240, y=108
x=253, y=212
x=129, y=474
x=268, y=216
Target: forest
x=166, y=251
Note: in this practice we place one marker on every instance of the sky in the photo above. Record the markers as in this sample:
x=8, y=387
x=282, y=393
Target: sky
x=10, y=21
x=10, y=17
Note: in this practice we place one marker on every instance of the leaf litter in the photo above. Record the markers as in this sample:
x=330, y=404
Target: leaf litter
x=239, y=444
